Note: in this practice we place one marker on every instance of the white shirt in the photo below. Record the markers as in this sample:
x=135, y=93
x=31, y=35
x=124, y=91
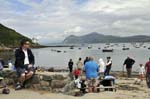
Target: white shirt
x=26, y=60
x=142, y=70
x=79, y=65
x=109, y=62
x=77, y=83
x=102, y=66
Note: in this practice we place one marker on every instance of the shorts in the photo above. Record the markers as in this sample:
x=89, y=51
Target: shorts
x=93, y=82
x=22, y=70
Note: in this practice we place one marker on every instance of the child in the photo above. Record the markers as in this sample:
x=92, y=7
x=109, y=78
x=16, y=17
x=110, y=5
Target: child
x=141, y=72
x=76, y=73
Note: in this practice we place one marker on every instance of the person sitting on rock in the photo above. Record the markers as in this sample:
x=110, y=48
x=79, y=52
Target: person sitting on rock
x=24, y=63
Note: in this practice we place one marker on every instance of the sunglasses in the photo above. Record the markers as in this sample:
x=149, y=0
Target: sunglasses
x=27, y=43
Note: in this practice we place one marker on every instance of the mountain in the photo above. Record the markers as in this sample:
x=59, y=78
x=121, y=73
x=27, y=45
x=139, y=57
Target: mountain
x=9, y=37
x=95, y=37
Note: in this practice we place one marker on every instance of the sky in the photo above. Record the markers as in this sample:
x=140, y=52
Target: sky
x=54, y=20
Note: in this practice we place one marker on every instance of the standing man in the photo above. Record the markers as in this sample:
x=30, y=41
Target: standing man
x=70, y=65
x=91, y=72
x=147, y=69
x=129, y=63
x=86, y=60
x=24, y=63
x=108, y=66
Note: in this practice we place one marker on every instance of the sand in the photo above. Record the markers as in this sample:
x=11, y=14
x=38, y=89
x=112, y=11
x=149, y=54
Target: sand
x=131, y=92
x=26, y=94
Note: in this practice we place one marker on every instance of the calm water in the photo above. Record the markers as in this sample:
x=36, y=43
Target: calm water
x=47, y=58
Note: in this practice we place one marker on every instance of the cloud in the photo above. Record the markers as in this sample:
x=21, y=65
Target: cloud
x=73, y=30
x=53, y=20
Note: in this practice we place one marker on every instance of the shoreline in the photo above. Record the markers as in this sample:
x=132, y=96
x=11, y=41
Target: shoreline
x=126, y=89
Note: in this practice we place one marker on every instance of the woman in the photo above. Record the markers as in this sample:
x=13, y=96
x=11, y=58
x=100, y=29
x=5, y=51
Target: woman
x=102, y=67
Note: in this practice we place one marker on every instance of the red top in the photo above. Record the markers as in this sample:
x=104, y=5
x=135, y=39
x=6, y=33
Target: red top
x=147, y=67
x=76, y=72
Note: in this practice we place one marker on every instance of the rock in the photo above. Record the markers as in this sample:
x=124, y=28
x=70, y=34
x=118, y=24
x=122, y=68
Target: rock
x=71, y=76
x=51, y=69
x=9, y=81
x=39, y=87
x=46, y=78
x=45, y=83
x=57, y=84
x=54, y=83
x=8, y=74
x=35, y=79
x=36, y=86
x=58, y=77
x=40, y=69
x=68, y=87
x=13, y=74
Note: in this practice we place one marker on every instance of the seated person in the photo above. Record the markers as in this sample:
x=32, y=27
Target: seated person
x=24, y=63
x=81, y=84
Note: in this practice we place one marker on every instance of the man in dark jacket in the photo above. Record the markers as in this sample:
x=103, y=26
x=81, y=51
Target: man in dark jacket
x=24, y=63
x=108, y=66
x=129, y=63
x=70, y=65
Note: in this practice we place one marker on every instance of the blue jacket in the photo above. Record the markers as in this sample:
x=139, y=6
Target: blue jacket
x=91, y=69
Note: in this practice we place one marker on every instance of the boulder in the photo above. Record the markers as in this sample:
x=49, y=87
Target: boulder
x=46, y=78
x=51, y=69
x=45, y=83
x=58, y=77
x=8, y=74
x=41, y=87
x=35, y=79
x=57, y=84
x=9, y=81
x=68, y=87
x=71, y=76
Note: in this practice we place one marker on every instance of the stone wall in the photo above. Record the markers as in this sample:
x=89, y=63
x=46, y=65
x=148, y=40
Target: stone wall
x=51, y=83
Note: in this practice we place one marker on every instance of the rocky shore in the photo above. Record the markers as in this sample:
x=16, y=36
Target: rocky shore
x=61, y=83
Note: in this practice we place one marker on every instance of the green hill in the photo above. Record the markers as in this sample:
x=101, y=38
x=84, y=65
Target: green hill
x=9, y=37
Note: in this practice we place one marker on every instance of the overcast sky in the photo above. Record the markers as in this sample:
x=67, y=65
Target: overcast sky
x=53, y=20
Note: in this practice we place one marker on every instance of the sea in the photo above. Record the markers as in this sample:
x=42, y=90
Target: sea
x=58, y=57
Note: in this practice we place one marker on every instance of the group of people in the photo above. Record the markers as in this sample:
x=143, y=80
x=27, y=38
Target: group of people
x=93, y=70
x=24, y=65
x=144, y=71
x=104, y=68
